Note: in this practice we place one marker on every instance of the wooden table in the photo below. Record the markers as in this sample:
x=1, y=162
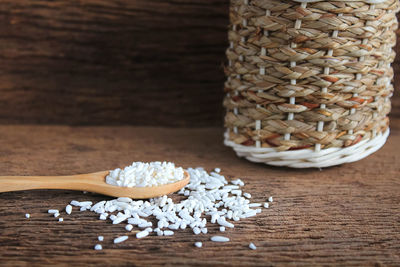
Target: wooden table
x=347, y=215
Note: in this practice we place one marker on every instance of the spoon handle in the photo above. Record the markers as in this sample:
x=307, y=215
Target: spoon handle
x=69, y=182
x=91, y=182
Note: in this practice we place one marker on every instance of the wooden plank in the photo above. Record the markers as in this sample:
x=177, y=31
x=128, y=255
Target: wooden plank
x=114, y=62
x=346, y=215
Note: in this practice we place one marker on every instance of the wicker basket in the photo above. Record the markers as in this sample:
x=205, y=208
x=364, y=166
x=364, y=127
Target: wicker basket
x=309, y=82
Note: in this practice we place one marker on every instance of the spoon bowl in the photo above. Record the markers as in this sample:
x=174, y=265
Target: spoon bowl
x=91, y=182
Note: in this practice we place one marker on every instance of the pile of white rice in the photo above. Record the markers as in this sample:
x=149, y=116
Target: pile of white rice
x=141, y=174
x=208, y=198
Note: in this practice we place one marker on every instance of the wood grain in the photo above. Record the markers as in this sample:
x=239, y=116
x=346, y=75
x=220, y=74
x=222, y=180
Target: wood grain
x=114, y=62
x=346, y=216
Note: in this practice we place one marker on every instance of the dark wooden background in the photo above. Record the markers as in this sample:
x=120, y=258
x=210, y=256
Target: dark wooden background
x=139, y=62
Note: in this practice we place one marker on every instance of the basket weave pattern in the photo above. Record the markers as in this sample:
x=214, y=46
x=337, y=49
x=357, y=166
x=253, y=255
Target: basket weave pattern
x=312, y=75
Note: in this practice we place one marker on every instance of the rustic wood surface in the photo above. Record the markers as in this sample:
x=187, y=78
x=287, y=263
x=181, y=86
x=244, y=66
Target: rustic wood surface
x=114, y=62
x=345, y=215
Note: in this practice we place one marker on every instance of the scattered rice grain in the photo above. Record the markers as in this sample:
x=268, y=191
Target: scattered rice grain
x=252, y=246
x=247, y=195
x=128, y=227
x=52, y=211
x=68, y=209
x=142, y=234
x=218, y=238
x=168, y=233
x=120, y=239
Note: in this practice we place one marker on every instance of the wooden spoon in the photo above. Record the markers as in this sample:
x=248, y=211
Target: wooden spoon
x=91, y=182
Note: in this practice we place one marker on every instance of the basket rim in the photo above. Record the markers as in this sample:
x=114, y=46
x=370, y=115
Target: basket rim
x=309, y=158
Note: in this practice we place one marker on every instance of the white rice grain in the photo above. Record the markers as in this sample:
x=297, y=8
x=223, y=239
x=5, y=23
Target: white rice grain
x=160, y=233
x=222, y=221
x=196, y=230
x=218, y=238
x=68, y=209
x=252, y=246
x=120, y=219
x=168, y=233
x=254, y=205
x=128, y=227
x=247, y=195
x=75, y=203
x=142, y=234
x=53, y=211
x=120, y=239
x=84, y=205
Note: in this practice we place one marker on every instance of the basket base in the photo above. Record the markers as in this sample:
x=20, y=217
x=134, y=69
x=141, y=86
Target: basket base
x=308, y=158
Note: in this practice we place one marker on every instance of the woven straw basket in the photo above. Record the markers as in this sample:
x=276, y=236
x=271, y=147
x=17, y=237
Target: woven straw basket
x=309, y=81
